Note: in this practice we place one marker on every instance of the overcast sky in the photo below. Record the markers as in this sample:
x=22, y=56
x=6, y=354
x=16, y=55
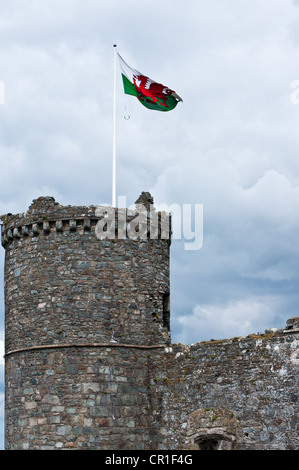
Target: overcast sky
x=232, y=145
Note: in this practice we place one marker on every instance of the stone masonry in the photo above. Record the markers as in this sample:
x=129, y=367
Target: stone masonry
x=89, y=362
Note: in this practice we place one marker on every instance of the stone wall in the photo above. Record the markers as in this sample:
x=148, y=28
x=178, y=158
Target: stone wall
x=89, y=363
x=243, y=391
x=78, y=398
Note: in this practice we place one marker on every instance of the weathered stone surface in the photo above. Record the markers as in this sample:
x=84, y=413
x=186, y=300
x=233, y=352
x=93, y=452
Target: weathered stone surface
x=253, y=380
x=89, y=363
x=87, y=290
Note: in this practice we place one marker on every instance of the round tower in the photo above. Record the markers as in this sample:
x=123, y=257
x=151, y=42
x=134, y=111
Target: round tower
x=86, y=302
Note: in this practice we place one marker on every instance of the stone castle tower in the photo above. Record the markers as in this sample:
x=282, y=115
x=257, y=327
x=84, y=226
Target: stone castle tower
x=89, y=362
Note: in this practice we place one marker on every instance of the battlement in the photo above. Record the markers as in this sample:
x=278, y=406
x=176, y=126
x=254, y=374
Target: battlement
x=45, y=215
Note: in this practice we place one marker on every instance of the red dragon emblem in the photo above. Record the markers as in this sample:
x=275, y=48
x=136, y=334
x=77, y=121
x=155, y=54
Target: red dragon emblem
x=153, y=90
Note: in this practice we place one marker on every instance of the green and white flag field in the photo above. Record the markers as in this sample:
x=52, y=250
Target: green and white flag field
x=151, y=94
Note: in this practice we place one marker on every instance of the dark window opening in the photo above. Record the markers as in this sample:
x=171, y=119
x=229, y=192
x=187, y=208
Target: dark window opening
x=208, y=444
x=166, y=311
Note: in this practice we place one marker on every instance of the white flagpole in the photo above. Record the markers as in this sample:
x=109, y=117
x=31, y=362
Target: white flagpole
x=114, y=135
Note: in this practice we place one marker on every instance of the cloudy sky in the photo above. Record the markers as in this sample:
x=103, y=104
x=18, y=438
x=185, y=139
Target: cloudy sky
x=232, y=146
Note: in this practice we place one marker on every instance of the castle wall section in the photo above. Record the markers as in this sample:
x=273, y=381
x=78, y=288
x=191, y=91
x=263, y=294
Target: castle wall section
x=242, y=392
x=89, y=362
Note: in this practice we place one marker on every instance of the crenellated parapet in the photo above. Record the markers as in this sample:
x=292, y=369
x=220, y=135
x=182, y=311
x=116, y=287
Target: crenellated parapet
x=45, y=215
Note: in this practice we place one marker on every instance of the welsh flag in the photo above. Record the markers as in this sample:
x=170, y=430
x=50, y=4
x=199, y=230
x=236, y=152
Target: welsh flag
x=151, y=94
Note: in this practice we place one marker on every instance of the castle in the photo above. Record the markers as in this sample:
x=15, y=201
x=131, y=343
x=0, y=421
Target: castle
x=89, y=362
